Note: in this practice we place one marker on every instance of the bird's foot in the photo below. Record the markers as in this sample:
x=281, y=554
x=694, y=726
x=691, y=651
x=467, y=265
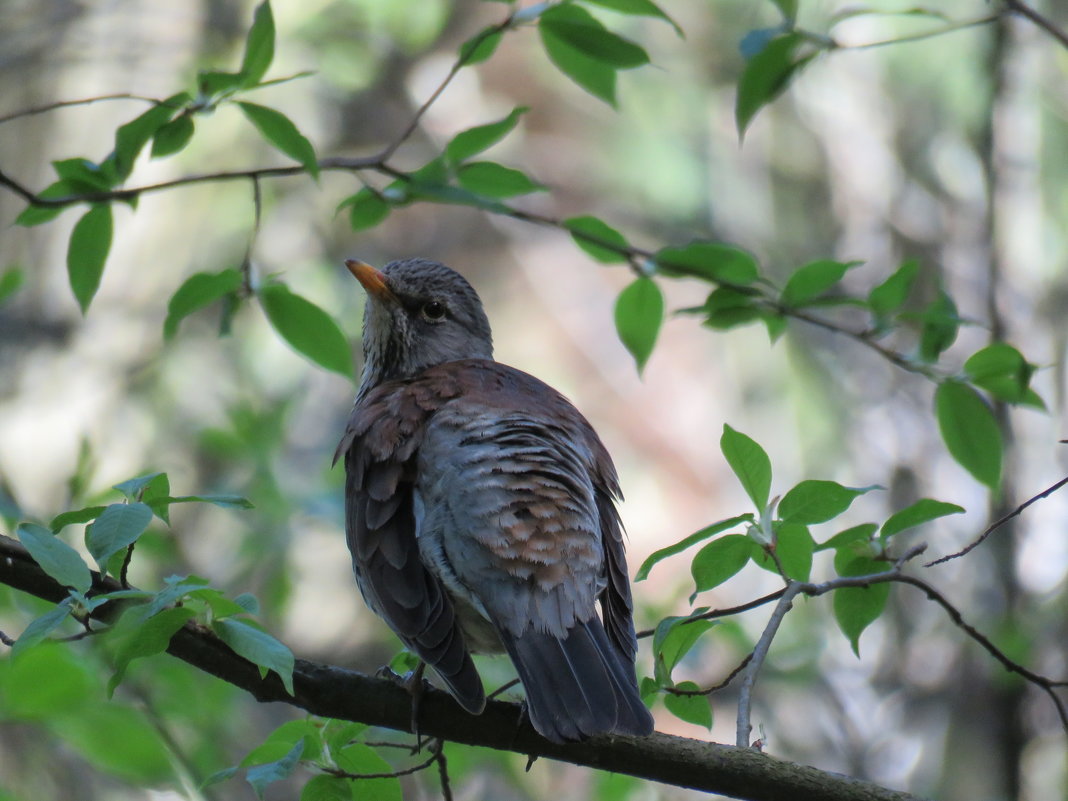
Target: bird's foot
x=416, y=685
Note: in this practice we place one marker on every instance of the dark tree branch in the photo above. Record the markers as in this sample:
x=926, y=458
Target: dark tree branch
x=1024, y=10
x=345, y=694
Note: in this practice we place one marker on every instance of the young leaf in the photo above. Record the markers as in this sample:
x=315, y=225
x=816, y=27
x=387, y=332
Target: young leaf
x=259, y=47
x=793, y=547
x=719, y=560
x=134, y=135
x=90, y=242
x=579, y=29
x=970, y=431
x=133, y=488
x=495, y=180
x=750, y=464
x=198, y=291
x=710, y=261
x=362, y=760
x=474, y=140
x=55, y=557
x=223, y=501
x=696, y=709
x=173, y=136
x=280, y=131
x=639, y=313
x=306, y=327
x=923, y=511
x=41, y=627
x=813, y=279
x=766, y=76
x=892, y=293
x=118, y=526
x=1002, y=371
x=327, y=788
x=856, y=608
x=10, y=283
x=147, y=639
x=680, y=546
x=75, y=516
x=940, y=324
x=818, y=501
x=672, y=640
x=261, y=776
x=589, y=233
x=258, y=647
x=596, y=77
x=728, y=308
x=481, y=46
x=366, y=209
x=850, y=535
x=640, y=8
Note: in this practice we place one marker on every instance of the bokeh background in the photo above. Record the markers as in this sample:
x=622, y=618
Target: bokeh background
x=951, y=150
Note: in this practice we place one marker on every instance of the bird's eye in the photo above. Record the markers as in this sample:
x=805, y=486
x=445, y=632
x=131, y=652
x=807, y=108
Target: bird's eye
x=433, y=310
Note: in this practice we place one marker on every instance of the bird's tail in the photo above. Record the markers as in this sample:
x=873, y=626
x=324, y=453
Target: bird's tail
x=579, y=685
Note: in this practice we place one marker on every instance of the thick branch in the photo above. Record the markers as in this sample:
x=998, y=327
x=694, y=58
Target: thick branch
x=348, y=695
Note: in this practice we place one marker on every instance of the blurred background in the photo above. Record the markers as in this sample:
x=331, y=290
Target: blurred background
x=951, y=150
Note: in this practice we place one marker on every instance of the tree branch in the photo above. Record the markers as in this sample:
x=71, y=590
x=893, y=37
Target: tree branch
x=345, y=694
x=1024, y=10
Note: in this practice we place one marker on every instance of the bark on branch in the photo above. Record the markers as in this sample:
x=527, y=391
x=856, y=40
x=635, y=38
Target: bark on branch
x=338, y=693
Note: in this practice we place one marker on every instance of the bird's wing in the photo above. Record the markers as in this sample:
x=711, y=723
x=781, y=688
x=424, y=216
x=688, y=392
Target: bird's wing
x=514, y=507
x=380, y=441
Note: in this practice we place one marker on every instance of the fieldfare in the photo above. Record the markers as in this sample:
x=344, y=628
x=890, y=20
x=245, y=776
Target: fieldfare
x=479, y=510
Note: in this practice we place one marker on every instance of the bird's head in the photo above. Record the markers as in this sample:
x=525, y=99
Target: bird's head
x=419, y=313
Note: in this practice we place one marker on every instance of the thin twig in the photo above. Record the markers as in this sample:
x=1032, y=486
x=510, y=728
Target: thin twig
x=344, y=774
x=126, y=566
x=4, y=639
x=917, y=37
x=443, y=769
x=760, y=652
x=718, y=687
x=1024, y=10
x=999, y=523
x=29, y=112
x=506, y=686
x=726, y=612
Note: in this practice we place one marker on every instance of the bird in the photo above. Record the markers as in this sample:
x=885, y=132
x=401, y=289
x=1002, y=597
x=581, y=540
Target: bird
x=480, y=511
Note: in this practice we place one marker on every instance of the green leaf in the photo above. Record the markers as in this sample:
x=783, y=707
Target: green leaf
x=495, y=180
x=750, y=463
x=706, y=533
x=224, y=501
x=818, y=501
x=593, y=236
x=84, y=174
x=793, y=546
x=813, y=279
x=198, y=291
x=639, y=314
x=579, y=29
x=37, y=215
x=280, y=131
x=940, y=325
x=640, y=8
x=1002, y=371
x=766, y=76
x=863, y=532
x=695, y=709
x=90, y=242
x=173, y=136
x=64, y=519
x=923, y=511
x=40, y=628
x=788, y=9
x=134, y=135
x=367, y=209
x=259, y=47
x=709, y=261
x=150, y=638
x=481, y=46
x=892, y=293
x=326, y=788
x=133, y=488
x=719, y=560
x=258, y=647
x=55, y=557
x=117, y=527
x=596, y=77
x=728, y=308
x=280, y=741
x=132, y=750
x=474, y=140
x=856, y=608
x=362, y=760
x=263, y=775
x=672, y=640
x=215, y=84
x=10, y=283
x=307, y=328
x=46, y=683
x=970, y=431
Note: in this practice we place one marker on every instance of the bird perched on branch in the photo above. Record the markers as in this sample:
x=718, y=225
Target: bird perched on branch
x=479, y=510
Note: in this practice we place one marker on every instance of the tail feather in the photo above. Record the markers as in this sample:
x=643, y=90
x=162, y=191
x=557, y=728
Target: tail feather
x=578, y=685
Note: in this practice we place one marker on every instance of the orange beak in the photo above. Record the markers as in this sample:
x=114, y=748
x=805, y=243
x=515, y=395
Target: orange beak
x=373, y=280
